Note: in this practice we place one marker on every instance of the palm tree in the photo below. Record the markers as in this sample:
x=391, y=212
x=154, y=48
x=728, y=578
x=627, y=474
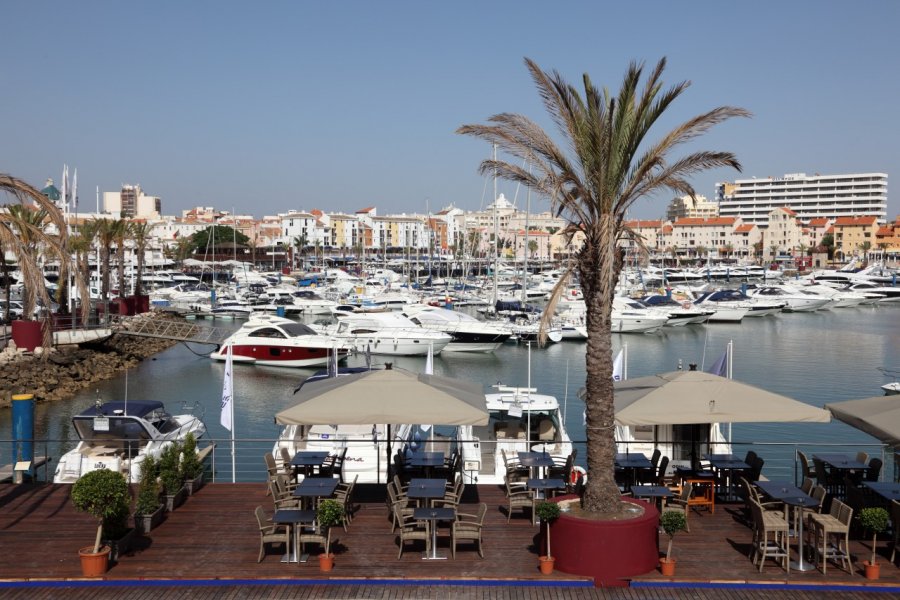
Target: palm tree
x=106, y=237
x=140, y=233
x=81, y=245
x=121, y=235
x=609, y=165
x=299, y=243
x=17, y=235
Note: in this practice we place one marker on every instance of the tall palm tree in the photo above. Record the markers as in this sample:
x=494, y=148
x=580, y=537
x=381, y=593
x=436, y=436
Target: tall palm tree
x=81, y=245
x=608, y=165
x=106, y=237
x=140, y=233
x=299, y=243
x=122, y=233
x=17, y=235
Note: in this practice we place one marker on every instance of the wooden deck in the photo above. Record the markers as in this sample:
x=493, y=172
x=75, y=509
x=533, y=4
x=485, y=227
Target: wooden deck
x=214, y=536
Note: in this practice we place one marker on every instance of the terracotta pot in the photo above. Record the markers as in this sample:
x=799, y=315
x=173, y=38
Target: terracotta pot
x=94, y=564
x=667, y=566
x=326, y=562
x=547, y=564
x=872, y=571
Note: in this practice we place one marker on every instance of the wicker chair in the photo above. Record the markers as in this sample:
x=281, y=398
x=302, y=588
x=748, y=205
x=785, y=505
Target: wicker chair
x=771, y=537
x=515, y=470
x=518, y=496
x=832, y=535
x=411, y=529
x=270, y=533
x=681, y=503
x=343, y=493
x=467, y=527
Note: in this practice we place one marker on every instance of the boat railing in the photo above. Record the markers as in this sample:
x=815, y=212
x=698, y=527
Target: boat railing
x=780, y=457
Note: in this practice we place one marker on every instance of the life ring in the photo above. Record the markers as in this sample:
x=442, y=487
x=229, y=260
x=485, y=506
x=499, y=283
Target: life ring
x=578, y=474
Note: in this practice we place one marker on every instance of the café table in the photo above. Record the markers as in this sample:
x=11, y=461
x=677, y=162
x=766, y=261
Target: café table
x=316, y=487
x=535, y=461
x=791, y=495
x=293, y=518
x=308, y=460
x=727, y=464
x=426, y=489
x=433, y=515
x=657, y=492
x=426, y=460
x=843, y=464
x=633, y=463
x=886, y=489
x=541, y=486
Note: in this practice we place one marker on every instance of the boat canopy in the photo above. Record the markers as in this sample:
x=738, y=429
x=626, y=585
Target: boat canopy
x=136, y=408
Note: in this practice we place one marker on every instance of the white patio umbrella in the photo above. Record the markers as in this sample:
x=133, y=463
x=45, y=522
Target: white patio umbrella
x=878, y=416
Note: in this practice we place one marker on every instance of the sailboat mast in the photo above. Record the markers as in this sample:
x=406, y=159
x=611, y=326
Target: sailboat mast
x=496, y=229
x=525, y=263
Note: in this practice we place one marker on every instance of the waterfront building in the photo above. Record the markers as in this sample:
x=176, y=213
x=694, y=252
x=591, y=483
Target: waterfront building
x=784, y=234
x=816, y=229
x=887, y=239
x=816, y=196
x=697, y=207
x=854, y=236
x=131, y=202
x=649, y=233
x=698, y=237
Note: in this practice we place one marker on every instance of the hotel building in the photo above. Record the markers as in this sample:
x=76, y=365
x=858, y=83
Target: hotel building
x=810, y=197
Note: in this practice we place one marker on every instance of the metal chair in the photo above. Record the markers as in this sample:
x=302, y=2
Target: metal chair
x=467, y=527
x=270, y=533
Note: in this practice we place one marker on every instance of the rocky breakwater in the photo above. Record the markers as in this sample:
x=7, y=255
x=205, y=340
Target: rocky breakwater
x=66, y=369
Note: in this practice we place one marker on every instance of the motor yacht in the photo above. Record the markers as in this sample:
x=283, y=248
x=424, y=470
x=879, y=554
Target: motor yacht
x=890, y=293
x=679, y=313
x=279, y=342
x=630, y=316
x=731, y=306
x=468, y=333
x=797, y=300
x=386, y=333
x=119, y=435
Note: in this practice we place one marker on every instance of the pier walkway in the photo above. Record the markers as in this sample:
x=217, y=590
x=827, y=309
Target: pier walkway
x=207, y=548
x=177, y=330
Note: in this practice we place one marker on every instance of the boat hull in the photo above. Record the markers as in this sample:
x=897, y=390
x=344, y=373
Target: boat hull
x=279, y=356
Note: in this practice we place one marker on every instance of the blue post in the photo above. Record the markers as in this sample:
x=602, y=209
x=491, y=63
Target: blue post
x=212, y=298
x=23, y=429
x=279, y=311
x=744, y=288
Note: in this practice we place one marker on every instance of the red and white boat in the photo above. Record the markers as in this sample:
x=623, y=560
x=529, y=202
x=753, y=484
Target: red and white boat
x=279, y=342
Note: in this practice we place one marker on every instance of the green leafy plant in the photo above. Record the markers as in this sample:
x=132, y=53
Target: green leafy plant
x=148, y=488
x=874, y=520
x=547, y=512
x=672, y=521
x=328, y=514
x=170, y=469
x=104, y=495
x=191, y=467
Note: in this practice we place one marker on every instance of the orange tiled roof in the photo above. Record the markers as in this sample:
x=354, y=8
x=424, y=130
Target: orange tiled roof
x=639, y=224
x=788, y=211
x=367, y=209
x=744, y=228
x=855, y=221
x=700, y=221
x=818, y=222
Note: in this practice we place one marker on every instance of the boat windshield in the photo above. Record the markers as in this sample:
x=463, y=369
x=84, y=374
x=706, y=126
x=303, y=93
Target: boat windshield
x=112, y=429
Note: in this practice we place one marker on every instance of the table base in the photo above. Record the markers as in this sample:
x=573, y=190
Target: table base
x=803, y=568
x=436, y=557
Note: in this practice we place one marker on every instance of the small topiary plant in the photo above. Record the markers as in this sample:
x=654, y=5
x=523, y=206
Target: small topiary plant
x=170, y=469
x=148, y=488
x=874, y=520
x=672, y=521
x=104, y=494
x=329, y=514
x=191, y=467
x=547, y=512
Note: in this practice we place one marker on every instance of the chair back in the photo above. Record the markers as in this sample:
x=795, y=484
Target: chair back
x=686, y=491
x=818, y=493
x=804, y=464
x=807, y=485
x=845, y=515
x=261, y=518
x=661, y=470
x=286, y=459
x=654, y=458
x=821, y=473
x=874, y=469
x=271, y=465
x=750, y=457
x=756, y=468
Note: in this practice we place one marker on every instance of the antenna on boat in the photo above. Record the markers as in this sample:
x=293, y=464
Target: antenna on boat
x=126, y=391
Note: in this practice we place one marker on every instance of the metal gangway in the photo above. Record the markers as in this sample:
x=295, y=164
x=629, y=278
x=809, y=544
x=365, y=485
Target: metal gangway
x=175, y=330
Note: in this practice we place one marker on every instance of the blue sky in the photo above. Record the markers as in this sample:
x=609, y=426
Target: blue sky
x=271, y=106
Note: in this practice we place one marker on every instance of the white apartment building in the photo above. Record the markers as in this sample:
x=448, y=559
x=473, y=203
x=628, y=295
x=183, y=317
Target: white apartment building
x=303, y=225
x=131, y=202
x=816, y=196
x=718, y=236
x=785, y=235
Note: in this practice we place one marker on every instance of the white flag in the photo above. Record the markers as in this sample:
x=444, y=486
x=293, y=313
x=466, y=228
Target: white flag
x=227, y=392
x=64, y=196
x=75, y=191
x=619, y=366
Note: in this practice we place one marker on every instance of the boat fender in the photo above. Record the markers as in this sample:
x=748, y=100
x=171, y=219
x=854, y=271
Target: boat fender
x=578, y=474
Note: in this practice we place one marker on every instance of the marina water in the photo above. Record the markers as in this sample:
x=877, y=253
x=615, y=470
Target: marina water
x=820, y=357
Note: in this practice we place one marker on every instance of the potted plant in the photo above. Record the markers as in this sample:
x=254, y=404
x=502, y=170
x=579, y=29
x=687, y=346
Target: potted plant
x=876, y=521
x=672, y=521
x=148, y=510
x=329, y=514
x=103, y=494
x=171, y=476
x=191, y=467
x=547, y=512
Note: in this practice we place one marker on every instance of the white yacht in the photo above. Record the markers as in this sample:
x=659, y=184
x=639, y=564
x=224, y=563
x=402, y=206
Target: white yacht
x=679, y=313
x=468, y=333
x=119, y=435
x=278, y=342
x=730, y=306
x=797, y=300
x=630, y=316
x=521, y=420
x=386, y=333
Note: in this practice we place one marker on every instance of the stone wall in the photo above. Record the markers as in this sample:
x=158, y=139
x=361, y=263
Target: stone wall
x=67, y=369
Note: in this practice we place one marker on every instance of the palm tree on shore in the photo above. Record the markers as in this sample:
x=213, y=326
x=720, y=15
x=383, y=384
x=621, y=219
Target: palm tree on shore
x=140, y=232
x=609, y=164
x=106, y=237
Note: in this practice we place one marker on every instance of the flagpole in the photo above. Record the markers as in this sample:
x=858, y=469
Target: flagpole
x=730, y=363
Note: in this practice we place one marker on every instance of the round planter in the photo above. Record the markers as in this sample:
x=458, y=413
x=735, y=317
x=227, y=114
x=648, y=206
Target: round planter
x=667, y=566
x=27, y=334
x=94, y=564
x=609, y=551
x=872, y=571
x=326, y=562
x=546, y=563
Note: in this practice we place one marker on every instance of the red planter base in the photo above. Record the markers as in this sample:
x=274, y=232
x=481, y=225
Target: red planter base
x=608, y=551
x=27, y=334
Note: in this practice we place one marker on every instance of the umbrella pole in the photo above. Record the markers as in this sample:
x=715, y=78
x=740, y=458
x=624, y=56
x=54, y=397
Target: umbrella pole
x=390, y=464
